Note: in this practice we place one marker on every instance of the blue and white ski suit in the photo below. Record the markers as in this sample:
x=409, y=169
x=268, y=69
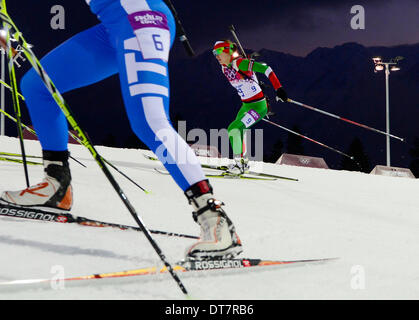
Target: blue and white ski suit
x=133, y=39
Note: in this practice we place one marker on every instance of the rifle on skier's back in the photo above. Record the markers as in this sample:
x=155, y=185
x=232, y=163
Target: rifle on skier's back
x=262, y=85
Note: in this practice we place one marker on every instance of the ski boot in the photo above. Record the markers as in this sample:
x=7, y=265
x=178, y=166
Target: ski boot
x=240, y=166
x=54, y=191
x=218, y=239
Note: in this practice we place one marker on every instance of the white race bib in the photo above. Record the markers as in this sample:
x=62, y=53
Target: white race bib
x=152, y=31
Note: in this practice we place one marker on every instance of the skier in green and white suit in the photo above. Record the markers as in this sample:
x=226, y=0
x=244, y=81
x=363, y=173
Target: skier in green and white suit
x=240, y=72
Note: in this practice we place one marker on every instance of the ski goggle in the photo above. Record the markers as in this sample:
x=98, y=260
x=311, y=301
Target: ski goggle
x=218, y=51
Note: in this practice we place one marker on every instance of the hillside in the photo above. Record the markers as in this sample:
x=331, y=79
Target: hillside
x=369, y=222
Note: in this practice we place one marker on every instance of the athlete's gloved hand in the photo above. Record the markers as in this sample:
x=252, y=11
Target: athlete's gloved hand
x=281, y=95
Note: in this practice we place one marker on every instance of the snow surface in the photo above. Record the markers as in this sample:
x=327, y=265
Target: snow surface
x=370, y=222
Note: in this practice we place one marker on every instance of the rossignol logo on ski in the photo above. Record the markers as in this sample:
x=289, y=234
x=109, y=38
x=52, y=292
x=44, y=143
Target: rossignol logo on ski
x=28, y=214
x=217, y=264
x=62, y=219
x=246, y=263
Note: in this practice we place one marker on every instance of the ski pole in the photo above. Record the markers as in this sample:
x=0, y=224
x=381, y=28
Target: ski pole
x=74, y=137
x=27, y=128
x=30, y=130
x=16, y=95
x=243, y=53
x=344, y=119
x=10, y=88
x=128, y=178
x=110, y=164
x=18, y=160
x=16, y=103
x=233, y=31
x=86, y=142
x=78, y=140
x=309, y=139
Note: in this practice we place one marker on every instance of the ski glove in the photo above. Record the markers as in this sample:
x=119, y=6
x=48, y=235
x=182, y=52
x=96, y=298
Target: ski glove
x=281, y=95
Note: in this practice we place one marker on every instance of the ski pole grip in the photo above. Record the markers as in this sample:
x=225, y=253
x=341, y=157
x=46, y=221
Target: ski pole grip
x=3, y=44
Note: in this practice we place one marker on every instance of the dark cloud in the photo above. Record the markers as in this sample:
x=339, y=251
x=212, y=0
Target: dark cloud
x=291, y=26
x=204, y=13
x=300, y=26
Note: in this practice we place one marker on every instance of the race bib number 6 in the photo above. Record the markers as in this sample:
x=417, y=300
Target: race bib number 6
x=153, y=35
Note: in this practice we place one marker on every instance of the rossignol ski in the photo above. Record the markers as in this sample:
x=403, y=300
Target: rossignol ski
x=55, y=215
x=180, y=267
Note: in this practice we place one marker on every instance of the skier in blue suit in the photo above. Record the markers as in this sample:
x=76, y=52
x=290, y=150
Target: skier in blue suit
x=133, y=39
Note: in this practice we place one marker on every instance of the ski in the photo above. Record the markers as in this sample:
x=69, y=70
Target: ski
x=162, y=171
x=52, y=215
x=86, y=141
x=224, y=169
x=261, y=174
x=218, y=264
x=180, y=267
x=9, y=154
x=150, y=157
x=227, y=175
x=18, y=161
x=224, y=175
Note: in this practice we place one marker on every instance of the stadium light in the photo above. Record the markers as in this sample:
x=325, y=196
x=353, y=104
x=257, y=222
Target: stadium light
x=380, y=65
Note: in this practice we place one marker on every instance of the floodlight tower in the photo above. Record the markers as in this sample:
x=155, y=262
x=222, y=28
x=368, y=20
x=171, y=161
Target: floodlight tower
x=392, y=65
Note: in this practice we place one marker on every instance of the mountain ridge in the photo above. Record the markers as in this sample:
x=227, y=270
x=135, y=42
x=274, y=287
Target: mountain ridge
x=339, y=80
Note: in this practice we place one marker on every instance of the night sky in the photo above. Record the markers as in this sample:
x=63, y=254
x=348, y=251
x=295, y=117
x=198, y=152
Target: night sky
x=290, y=26
x=298, y=27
